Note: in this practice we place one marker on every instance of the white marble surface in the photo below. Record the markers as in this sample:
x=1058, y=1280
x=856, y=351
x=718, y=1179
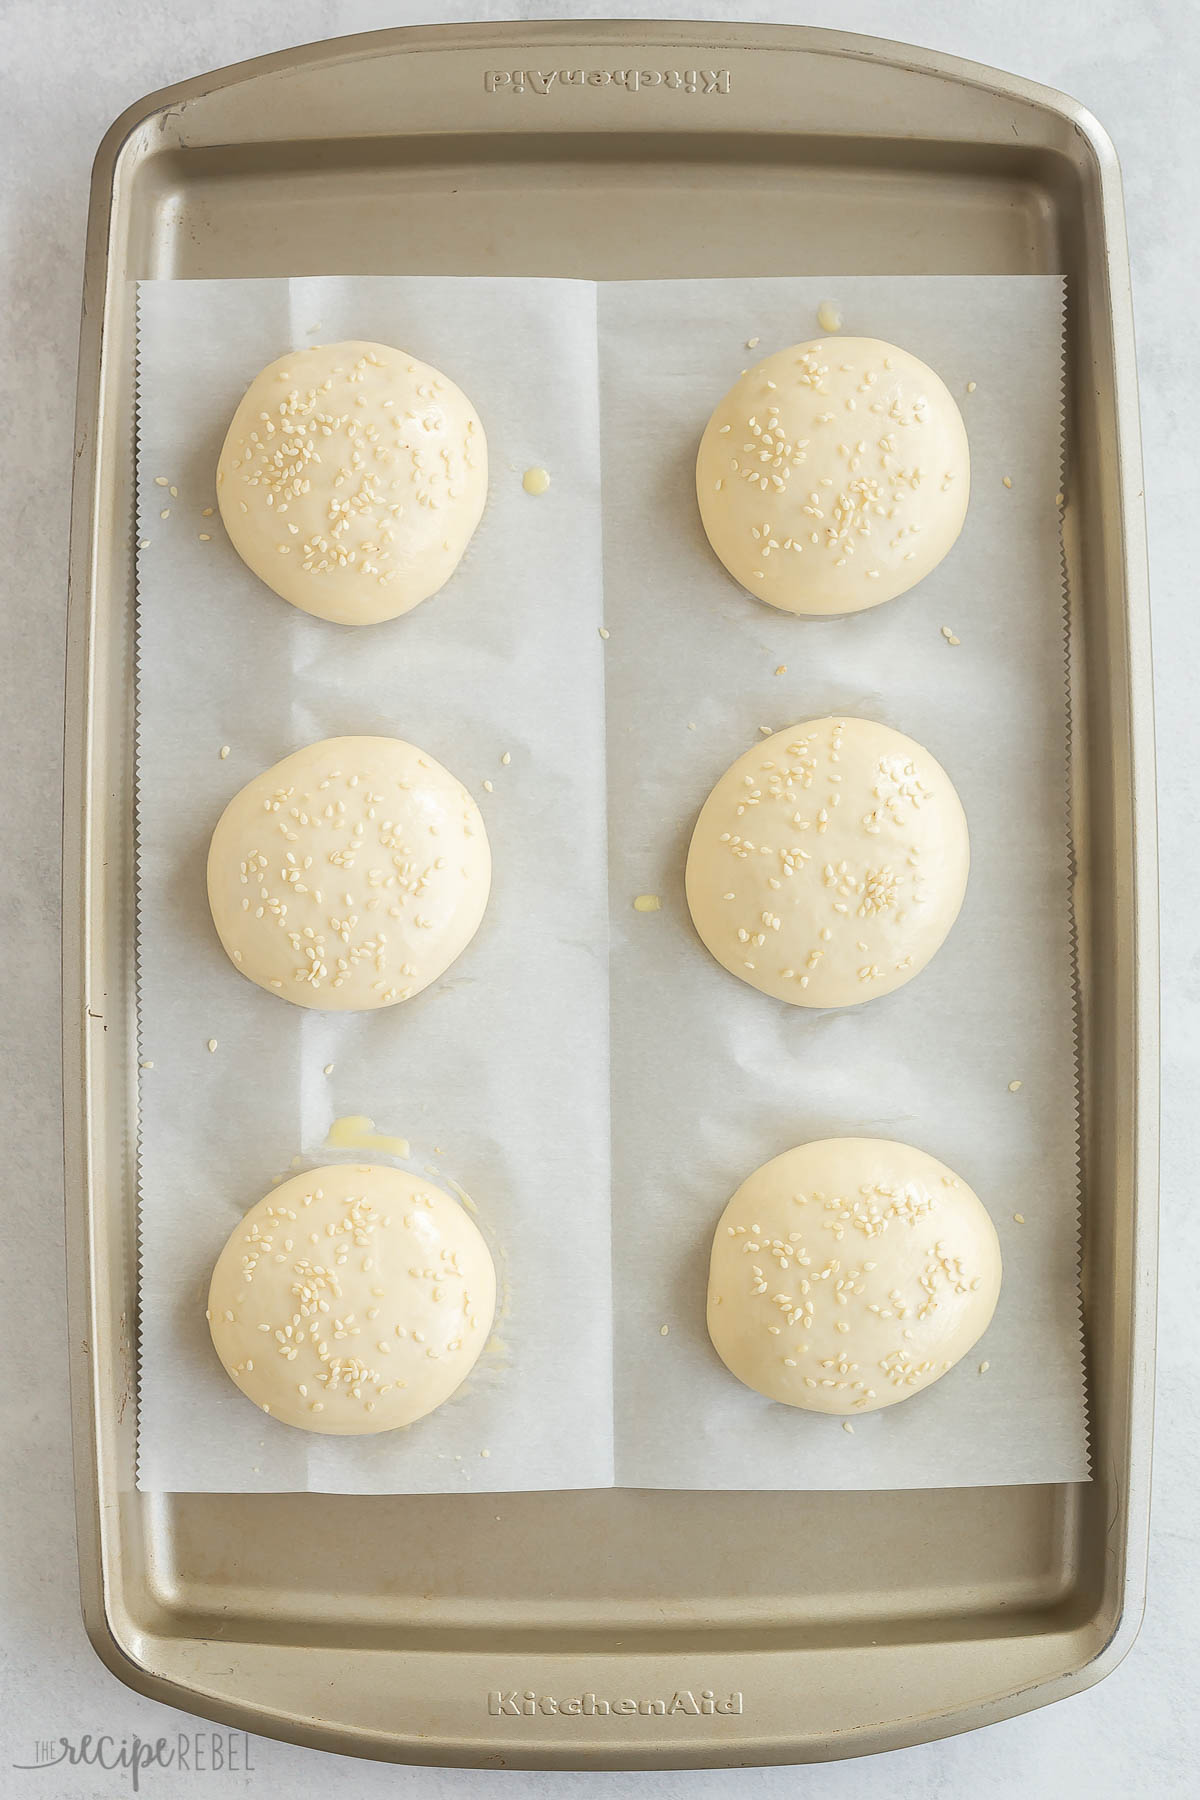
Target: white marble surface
x=67, y=67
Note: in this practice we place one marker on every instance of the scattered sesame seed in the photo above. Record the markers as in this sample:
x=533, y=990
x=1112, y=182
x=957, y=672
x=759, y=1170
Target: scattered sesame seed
x=506, y=758
x=143, y=543
x=691, y=725
x=488, y=786
x=146, y=1065
x=1008, y=481
x=664, y=1330
x=1060, y=499
x=971, y=386
x=207, y=513
x=535, y=481
x=174, y=492
x=604, y=631
x=205, y=537
x=828, y=316
x=160, y=481
x=223, y=752
x=984, y=1367
x=165, y=513
x=766, y=730
x=485, y=1453
x=328, y=1069
x=212, y=1044
x=1018, y=1218
x=1014, y=1087
x=782, y=669
x=847, y=1426
x=647, y=903
x=949, y=635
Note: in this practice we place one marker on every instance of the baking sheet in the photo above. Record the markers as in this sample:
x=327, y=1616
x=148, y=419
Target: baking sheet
x=610, y=385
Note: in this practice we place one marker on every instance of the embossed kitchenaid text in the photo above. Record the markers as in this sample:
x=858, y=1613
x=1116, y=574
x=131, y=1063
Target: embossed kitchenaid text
x=538, y=81
x=528, y=1703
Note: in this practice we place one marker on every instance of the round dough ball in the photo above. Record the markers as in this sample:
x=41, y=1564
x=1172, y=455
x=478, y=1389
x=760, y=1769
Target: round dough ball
x=350, y=875
x=834, y=475
x=352, y=1299
x=849, y=1274
x=351, y=480
x=828, y=863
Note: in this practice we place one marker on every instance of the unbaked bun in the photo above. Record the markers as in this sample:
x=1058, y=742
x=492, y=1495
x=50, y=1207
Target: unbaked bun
x=350, y=875
x=828, y=863
x=849, y=1274
x=834, y=475
x=351, y=480
x=352, y=1299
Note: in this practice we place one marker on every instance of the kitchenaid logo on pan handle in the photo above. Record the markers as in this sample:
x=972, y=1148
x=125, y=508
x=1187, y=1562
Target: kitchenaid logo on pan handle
x=527, y=1703
x=542, y=81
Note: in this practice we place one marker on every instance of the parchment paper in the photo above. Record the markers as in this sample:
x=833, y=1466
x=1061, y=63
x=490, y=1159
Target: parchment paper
x=574, y=1022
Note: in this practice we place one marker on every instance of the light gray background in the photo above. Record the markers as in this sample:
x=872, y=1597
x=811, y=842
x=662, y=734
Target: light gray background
x=66, y=70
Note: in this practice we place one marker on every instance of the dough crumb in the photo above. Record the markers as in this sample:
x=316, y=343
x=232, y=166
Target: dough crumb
x=212, y=1044
x=1014, y=1087
x=647, y=903
x=828, y=316
x=949, y=635
x=782, y=669
x=535, y=481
